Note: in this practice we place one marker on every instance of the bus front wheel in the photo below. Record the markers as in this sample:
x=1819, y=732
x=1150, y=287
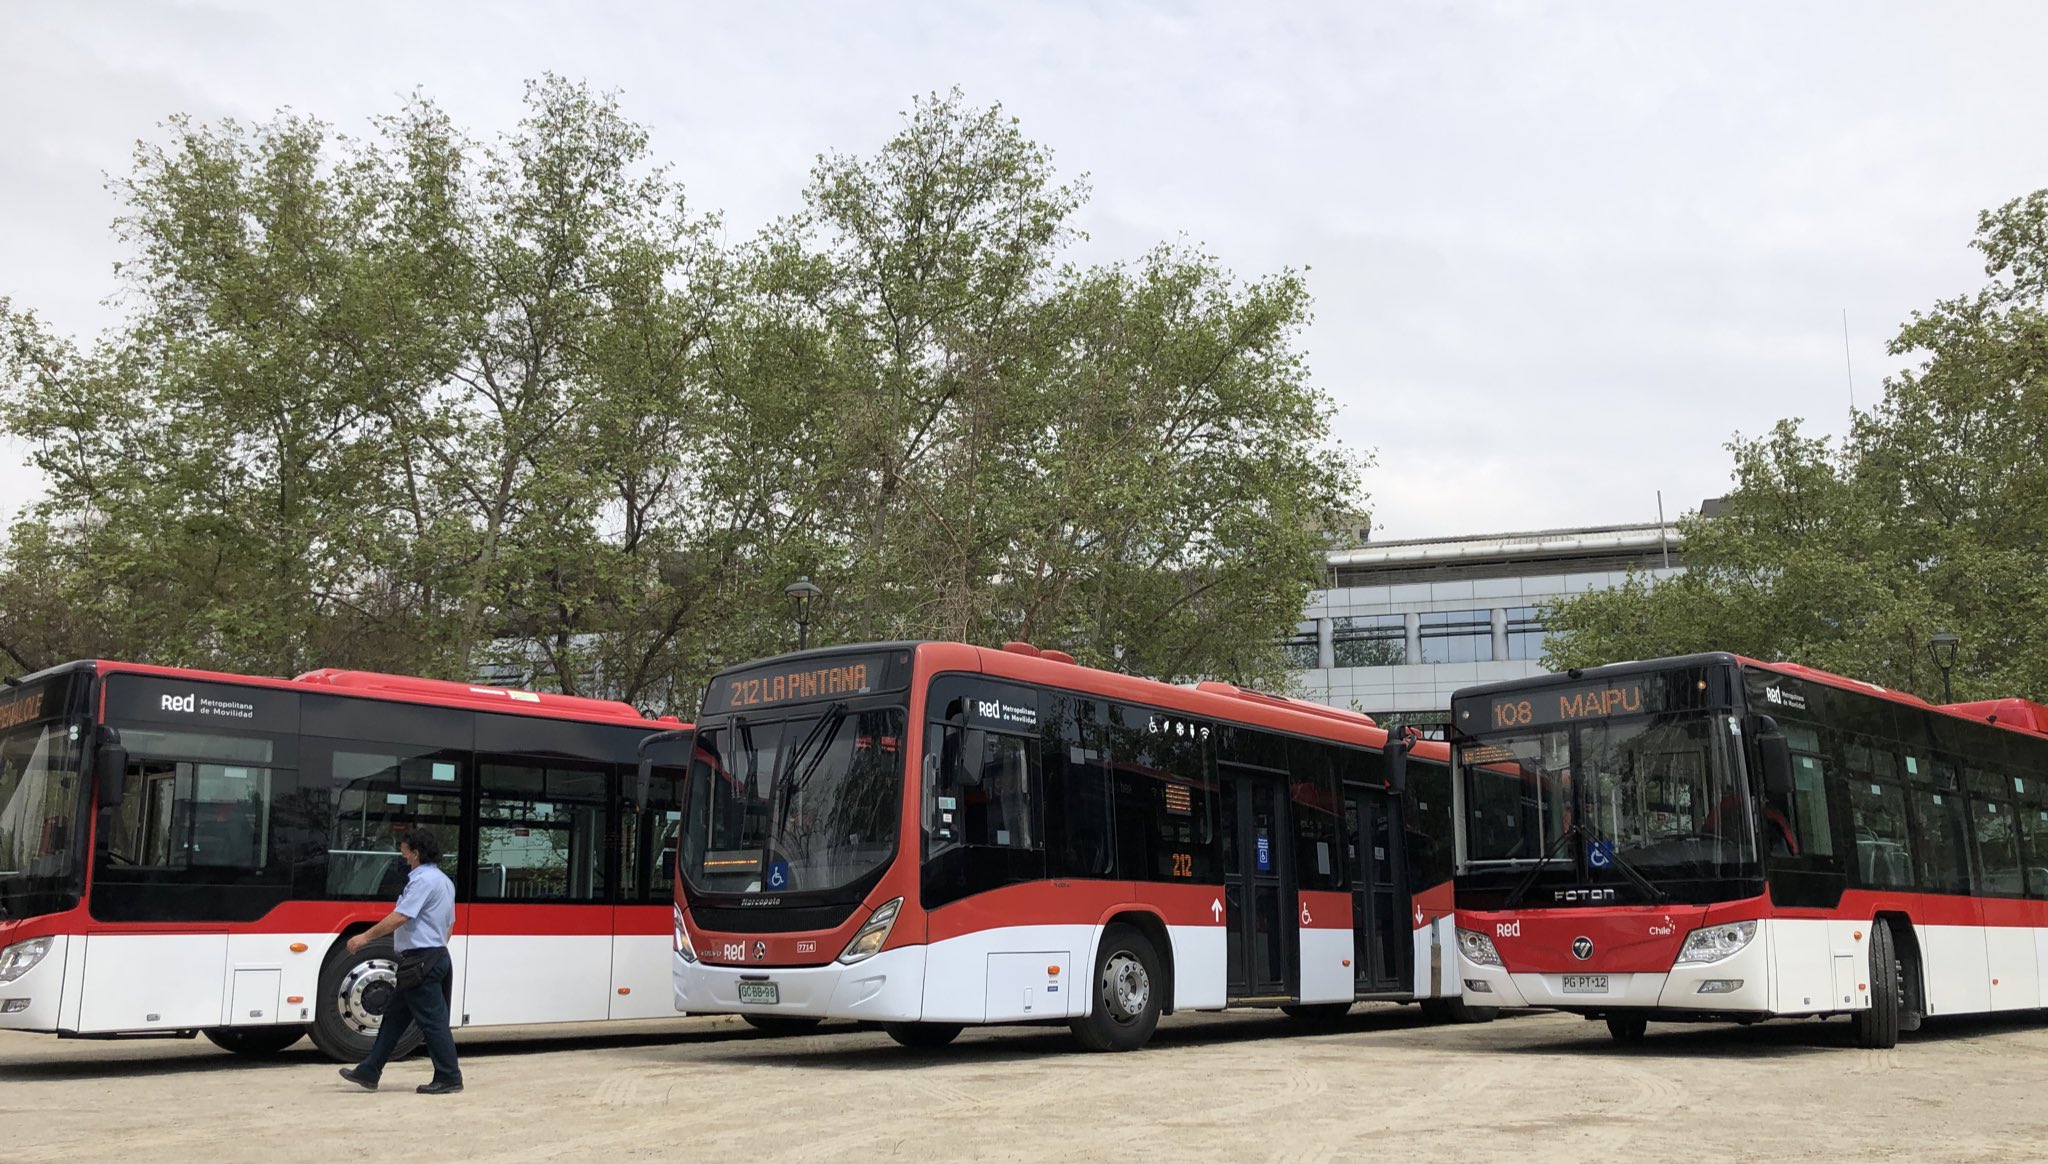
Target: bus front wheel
x=1127, y=982
x=1878, y=1026
x=1457, y=1010
x=781, y=1024
x=923, y=1036
x=255, y=1042
x=355, y=990
x=1627, y=1028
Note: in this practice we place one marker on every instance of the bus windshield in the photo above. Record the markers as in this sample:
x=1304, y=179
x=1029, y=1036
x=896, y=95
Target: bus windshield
x=794, y=806
x=1663, y=795
x=40, y=811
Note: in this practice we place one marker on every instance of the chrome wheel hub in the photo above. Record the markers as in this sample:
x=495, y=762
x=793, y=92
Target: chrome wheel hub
x=365, y=994
x=1126, y=987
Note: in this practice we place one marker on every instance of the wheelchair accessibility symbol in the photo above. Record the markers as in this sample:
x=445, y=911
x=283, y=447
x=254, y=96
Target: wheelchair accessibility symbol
x=1600, y=854
x=778, y=875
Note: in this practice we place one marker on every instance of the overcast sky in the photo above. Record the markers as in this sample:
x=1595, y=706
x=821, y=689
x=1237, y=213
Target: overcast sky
x=1560, y=252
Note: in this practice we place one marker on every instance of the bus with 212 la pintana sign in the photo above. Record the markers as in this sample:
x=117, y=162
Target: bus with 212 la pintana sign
x=935, y=835
x=184, y=852
x=1715, y=838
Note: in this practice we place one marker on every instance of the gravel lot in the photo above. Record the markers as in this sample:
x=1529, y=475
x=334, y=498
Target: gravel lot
x=1212, y=1087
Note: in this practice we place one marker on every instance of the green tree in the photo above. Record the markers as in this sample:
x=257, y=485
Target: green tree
x=1931, y=515
x=422, y=403
x=969, y=437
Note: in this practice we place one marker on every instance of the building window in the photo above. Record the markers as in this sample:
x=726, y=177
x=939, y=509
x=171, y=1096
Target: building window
x=1526, y=632
x=1457, y=636
x=1371, y=640
x=1301, y=651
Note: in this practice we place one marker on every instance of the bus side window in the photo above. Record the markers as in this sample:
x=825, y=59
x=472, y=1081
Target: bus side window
x=1000, y=792
x=1075, y=787
x=1807, y=815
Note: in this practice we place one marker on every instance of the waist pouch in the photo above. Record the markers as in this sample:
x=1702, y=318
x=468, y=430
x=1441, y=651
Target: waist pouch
x=412, y=967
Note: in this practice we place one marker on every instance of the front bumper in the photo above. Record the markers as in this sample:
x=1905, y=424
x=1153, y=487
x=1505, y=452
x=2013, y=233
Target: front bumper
x=888, y=987
x=31, y=1002
x=1678, y=989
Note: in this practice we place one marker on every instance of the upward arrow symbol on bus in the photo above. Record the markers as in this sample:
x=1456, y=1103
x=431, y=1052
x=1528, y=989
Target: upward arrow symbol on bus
x=1216, y=909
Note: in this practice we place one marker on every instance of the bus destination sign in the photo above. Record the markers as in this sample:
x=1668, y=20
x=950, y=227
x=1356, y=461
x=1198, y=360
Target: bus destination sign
x=841, y=678
x=1540, y=709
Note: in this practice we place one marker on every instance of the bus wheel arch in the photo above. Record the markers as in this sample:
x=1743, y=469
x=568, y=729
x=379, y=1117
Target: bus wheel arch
x=1128, y=978
x=1877, y=1024
x=1153, y=927
x=1911, y=968
x=353, y=991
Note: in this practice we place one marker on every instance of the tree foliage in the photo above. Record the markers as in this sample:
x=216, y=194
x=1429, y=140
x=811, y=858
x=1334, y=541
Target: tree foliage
x=422, y=403
x=1931, y=515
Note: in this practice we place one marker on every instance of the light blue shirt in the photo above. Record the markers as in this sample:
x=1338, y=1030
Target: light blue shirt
x=429, y=906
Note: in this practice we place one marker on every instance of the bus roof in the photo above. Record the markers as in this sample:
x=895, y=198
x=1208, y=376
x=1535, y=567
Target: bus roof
x=408, y=689
x=2013, y=713
x=1025, y=663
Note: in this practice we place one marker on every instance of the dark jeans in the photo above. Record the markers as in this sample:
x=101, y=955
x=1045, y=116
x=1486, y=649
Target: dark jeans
x=425, y=1004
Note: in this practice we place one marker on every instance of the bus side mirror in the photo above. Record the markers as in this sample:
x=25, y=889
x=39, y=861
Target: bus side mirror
x=1398, y=745
x=643, y=783
x=1776, y=754
x=110, y=768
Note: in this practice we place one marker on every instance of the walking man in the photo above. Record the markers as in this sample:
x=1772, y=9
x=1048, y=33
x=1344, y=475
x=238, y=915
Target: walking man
x=426, y=978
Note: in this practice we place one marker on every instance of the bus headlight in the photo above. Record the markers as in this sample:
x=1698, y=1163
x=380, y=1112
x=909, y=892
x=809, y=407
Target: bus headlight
x=21, y=957
x=1706, y=946
x=684, y=949
x=1478, y=948
x=868, y=942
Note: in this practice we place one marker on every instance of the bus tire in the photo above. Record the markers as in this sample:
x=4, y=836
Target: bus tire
x=1877, y=1027
x=923, y=1036
x=1124, y=1010
x=354, y=991
x=1317, y=1014
x=781, y=1024
x=1627, y=1028
x=255, y=1042
x=1457, y=1010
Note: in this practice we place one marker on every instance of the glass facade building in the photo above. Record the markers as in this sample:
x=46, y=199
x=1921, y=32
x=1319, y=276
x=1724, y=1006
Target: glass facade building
x=1400, y=625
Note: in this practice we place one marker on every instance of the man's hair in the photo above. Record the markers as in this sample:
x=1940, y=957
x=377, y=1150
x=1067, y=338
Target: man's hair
x=422, y=842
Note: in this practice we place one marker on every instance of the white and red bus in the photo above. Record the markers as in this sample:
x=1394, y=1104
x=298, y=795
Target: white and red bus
x=186, y=852
x=1714, y=838
x=931, y=835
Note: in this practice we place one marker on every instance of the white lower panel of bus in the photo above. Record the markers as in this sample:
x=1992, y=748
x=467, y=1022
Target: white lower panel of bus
x=1010, y=974
x=1800, y=967
x=122, y=983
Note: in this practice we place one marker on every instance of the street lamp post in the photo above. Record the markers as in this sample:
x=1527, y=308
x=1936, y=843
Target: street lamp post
x=1943, y=647
x=800, y=593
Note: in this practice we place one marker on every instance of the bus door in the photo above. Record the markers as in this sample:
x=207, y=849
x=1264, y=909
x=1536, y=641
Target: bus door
x=643, y=924
x=1383, y=962
x=1258, y=884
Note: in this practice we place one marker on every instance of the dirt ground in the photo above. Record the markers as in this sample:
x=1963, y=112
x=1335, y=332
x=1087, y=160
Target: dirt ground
x=1534, y=1087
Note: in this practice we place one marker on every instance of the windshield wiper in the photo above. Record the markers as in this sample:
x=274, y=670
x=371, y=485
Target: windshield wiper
x=1514, y=896
x=1575, y=829
x=791, y=780
x=1635, y=878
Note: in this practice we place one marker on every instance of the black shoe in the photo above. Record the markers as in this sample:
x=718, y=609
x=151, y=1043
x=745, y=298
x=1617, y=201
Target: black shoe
x=362, y=1081
x=437, y=1087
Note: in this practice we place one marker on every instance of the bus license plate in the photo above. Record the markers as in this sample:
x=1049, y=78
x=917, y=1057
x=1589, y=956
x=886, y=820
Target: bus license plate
x=768, y=992
x=1585, y=984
